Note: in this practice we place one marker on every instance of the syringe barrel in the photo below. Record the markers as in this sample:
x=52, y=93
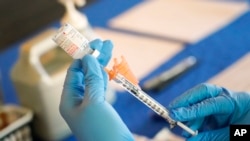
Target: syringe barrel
x=144, y=98
x=151, y=103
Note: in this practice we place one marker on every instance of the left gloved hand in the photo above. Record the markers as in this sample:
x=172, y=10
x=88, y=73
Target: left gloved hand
x=210, y=110
x=83, y=104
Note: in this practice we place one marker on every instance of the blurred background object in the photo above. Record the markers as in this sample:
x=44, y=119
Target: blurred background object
x=77, y=19
x=161, y=81
x=38, y=76
x=164, y=134
x=15, y=123
x=186, y=21
x=240, y=69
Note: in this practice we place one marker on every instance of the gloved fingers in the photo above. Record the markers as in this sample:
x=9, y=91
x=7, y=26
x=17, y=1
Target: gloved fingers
x=214, y=135
x=96, y=44
x=73, y=86
x=105, y=48
x=106, y=52
x=94, y=81
x=74, y=75
x=216, y=105
x=195, y=95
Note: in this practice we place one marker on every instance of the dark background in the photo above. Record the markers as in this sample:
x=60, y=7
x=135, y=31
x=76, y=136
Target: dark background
x=20, y=18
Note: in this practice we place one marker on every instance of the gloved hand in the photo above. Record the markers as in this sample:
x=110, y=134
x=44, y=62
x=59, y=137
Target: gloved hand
x=83, y=104
x=210, y=110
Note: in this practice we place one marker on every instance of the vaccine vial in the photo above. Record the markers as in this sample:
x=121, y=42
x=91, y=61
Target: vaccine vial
x=73, y=42
x=77, y=46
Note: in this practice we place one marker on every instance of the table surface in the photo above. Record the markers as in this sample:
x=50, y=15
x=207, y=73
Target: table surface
x=214, y=53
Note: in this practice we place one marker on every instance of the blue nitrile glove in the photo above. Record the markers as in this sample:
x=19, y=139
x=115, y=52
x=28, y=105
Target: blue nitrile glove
x=83, y=104
x=210, y=110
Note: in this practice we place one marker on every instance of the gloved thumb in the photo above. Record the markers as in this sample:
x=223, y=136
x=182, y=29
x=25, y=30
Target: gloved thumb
x=95, y=80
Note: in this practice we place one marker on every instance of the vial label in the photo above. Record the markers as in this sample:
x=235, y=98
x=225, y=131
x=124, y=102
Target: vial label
x=72, y=41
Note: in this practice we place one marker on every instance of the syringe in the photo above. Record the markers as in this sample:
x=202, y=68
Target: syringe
x=73, y=43
x=150, y=102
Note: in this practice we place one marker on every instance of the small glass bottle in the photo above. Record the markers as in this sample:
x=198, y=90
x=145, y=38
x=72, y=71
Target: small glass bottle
x=77, y=46
x=73, y=42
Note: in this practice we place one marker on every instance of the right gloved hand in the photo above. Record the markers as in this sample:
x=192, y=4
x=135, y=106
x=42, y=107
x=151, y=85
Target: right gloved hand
x=83, y=104
x=210, y=110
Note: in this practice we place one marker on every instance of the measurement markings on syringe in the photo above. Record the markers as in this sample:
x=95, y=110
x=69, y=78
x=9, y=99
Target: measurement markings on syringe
x=136, y=92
